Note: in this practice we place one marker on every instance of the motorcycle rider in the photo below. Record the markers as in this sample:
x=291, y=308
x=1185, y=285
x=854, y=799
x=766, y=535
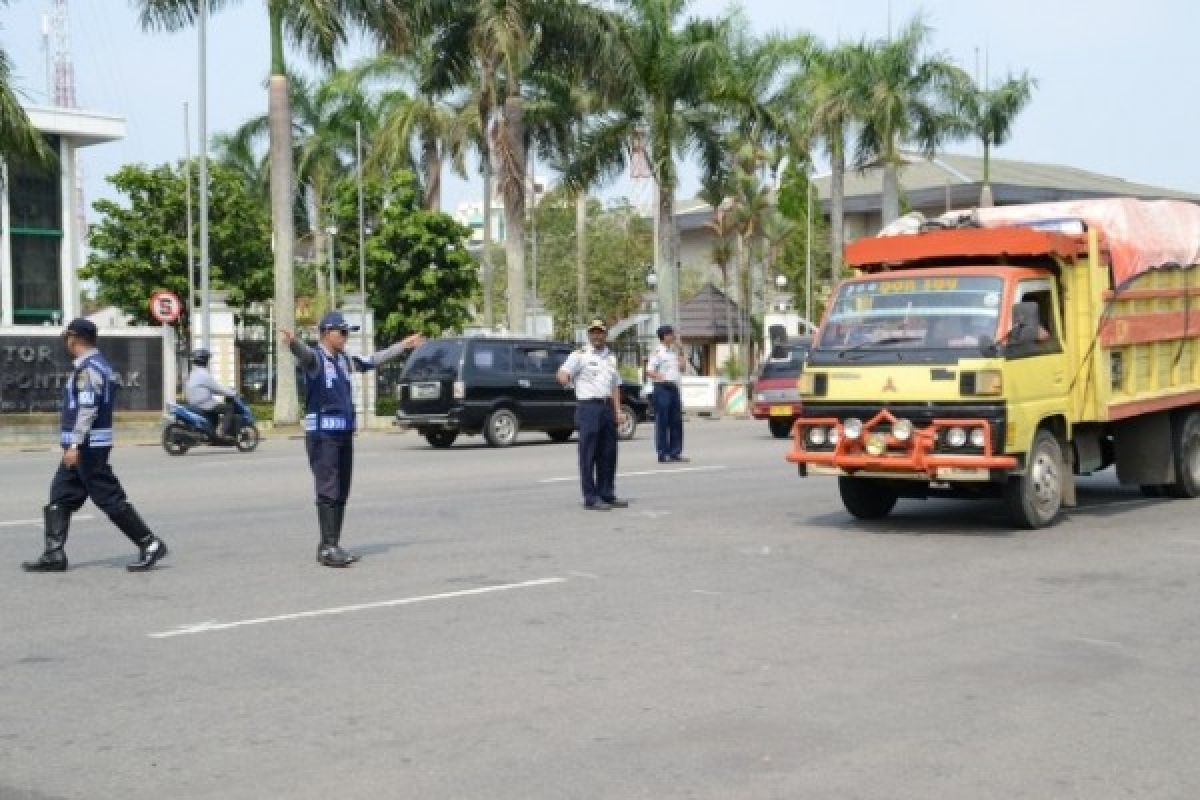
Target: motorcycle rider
x=202, y=392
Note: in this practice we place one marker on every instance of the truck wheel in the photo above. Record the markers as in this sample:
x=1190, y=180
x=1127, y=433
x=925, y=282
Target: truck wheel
x=781, y=428
x=501, y=428
x=1035, y=498
x=440, y=438
x=867, y=498
x=1186, y=449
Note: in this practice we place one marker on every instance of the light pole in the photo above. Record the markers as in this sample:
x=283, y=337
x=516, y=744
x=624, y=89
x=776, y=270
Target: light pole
x=202, y=33
x=187, y=187
x=808, y=249
x=332, y=232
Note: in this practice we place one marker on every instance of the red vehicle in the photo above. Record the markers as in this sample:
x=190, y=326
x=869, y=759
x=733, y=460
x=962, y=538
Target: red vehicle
x=776, y=393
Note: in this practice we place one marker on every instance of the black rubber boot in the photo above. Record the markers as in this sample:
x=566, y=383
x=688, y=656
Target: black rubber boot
x=329, y=554
x=58, y=521
x=152, y=549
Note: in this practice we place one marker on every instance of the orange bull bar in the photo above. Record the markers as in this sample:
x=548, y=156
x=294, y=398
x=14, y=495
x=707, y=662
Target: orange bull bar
x=912, y=455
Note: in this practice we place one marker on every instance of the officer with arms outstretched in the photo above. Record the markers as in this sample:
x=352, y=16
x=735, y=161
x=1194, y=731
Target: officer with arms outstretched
x=202, y=392
x=329, y=422
x=593, y=371
x=87, y=439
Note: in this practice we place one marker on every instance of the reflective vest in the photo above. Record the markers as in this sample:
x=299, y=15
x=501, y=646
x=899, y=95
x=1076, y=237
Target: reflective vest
x=91, y=385
x=329, y=396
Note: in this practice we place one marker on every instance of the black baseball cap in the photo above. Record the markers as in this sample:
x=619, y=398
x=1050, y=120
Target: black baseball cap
x=663, y=330
x=84, y=328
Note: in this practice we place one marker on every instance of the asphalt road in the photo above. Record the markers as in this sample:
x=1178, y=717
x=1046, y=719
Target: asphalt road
x=731, y=635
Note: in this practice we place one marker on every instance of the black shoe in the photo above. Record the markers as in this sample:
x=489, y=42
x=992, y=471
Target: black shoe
x=679, y=459
x=54, y=559
x=329, y=552
x=599, y=505
x=617, y=503
x=663, y=459
x=152, y=553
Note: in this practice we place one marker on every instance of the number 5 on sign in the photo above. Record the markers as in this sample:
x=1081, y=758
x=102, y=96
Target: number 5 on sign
x=165, y=307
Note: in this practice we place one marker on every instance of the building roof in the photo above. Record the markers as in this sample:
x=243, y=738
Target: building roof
x=950, y=181
x=83, y=128
x=704, y=315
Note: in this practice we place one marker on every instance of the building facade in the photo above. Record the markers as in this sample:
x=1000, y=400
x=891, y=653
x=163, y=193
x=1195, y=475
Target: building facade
x=42, y=219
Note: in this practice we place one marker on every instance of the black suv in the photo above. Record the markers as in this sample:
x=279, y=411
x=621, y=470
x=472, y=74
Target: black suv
x=497, y=387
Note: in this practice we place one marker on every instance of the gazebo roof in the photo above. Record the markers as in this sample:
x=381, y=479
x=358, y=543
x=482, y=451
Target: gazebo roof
x=704, y=315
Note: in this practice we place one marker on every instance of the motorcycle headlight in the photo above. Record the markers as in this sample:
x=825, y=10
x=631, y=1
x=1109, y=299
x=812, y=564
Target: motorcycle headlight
x=902, y=430
x=978, y=438
x=852, y=428
x=816, y=436
x=956, y=437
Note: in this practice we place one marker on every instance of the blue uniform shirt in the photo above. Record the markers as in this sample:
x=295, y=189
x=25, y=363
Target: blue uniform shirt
x=88, y=401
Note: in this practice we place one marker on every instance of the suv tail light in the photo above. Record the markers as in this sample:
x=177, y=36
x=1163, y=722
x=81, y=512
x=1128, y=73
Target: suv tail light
x=460, y=390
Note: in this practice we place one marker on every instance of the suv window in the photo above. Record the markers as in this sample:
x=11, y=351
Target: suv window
x=491, y=358
x=436, y=360
x=539, y=359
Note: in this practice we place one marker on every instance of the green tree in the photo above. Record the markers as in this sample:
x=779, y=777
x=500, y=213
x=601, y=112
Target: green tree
x=906, y=97
x=988, y=115
x=140, y=243
x=795, y=257
x=320, y=27
x=419, y=274
x=18, y=137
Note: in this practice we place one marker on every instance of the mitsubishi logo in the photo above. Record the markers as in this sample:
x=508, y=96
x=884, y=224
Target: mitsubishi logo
x=890, y=386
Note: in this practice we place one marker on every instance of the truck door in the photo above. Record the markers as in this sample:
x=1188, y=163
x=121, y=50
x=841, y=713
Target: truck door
x=1039, y=383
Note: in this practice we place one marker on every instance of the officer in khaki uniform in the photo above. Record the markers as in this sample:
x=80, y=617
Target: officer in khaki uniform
x=593, y=372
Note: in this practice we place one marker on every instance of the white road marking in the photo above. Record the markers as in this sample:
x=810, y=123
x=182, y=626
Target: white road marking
x=213, y=625
x=643, y=473
x=587, y=575
x=1103, y=642
x=35, y=523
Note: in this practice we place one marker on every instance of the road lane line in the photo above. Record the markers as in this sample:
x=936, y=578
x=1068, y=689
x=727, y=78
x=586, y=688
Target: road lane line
x=643, y=473
x=23, y=523
x=208, y=627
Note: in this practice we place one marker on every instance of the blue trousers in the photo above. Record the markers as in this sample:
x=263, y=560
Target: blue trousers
x=331, y=459
x=597, y=427
x=668, y=420
x=93, y=477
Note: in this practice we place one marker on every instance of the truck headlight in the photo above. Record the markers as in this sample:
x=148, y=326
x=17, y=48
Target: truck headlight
x=902, y=430
x=956, y=437
x=852, y=428
x=978, y=438
x=816, y=436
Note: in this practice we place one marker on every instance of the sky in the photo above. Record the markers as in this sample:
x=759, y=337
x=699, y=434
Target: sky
x=1117, y=80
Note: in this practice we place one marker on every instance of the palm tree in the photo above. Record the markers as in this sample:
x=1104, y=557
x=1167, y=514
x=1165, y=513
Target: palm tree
x=905, y=97
x=320, y=27
x=669, y=109
x=18, y=137
x=988, y=114
x=827, y=92
x=504, y=41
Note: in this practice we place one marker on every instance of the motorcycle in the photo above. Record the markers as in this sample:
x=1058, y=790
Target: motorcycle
x=184, y=429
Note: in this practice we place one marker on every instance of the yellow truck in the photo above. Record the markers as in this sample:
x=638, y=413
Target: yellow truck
x=1003, y=352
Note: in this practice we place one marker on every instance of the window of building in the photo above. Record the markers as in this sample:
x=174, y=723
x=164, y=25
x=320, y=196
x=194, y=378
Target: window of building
x=36, y=229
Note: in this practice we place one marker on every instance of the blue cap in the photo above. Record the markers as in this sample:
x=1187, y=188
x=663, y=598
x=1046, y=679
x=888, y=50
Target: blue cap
x=335, y=321
x=82, y=327
x=663, y=330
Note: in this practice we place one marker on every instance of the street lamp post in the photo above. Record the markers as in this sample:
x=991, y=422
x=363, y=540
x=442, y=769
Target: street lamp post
x=202, y=35
x=332, y=232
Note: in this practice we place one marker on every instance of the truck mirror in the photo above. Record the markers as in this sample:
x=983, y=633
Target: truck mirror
x=1025, y=324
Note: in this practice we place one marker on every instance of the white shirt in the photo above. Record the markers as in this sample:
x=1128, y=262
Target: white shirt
x=665, y=363
x=594, y=373
x=201, y=389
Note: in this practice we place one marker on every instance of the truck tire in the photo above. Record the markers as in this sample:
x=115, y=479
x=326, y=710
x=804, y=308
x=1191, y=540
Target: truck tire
x=867, y=498
x=781, y=428
x=1186, y=449
x=501, y=427
x=1035, y=498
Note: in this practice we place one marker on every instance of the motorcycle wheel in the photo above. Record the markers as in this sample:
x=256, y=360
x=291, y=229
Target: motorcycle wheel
x=247, y=439
x=174, y=440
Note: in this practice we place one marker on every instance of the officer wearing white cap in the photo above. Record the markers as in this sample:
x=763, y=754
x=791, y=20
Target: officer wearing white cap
x=593, y=371
x=329, y=422
x=89, y=399
x=665, y=368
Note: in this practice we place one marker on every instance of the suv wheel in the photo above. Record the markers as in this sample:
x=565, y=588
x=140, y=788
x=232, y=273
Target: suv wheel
x=561, y=436
x=501, y=428
x=440, y=438
x=626, y=429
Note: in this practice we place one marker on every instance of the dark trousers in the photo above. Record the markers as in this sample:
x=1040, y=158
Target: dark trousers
x=331, y=459
x=597, y=427
x=220, y=418
x=94, y=478
x=668, y=420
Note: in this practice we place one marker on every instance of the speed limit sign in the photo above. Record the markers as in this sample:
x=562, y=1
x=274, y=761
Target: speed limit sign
x=165, y=306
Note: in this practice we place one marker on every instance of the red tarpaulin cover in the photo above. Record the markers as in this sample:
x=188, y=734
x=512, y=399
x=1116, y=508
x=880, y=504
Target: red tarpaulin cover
x=1141, y=235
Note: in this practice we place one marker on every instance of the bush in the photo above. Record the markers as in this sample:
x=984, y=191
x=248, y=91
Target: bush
x=732, y=369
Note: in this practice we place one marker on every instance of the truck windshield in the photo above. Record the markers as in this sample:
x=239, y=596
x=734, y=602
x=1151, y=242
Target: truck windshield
x=914, y=314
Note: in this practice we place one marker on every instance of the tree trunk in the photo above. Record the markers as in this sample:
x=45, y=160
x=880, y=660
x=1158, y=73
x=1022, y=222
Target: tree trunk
x=837, y=213
x=985, y=194
x=665, y=266
x=279, y=115
x=489, y=288
x=513, y=187
x=891, y=192
x=745, y=288
x=431, y=167
x=581, y=282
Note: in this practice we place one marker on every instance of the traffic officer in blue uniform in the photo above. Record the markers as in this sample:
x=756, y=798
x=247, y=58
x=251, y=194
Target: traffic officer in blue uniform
x=87, y=439
x=665, y=368
x=329, y=422
x=593, y=371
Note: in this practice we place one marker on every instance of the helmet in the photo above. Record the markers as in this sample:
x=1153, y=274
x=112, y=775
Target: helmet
x=200, y=357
